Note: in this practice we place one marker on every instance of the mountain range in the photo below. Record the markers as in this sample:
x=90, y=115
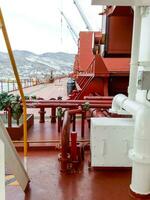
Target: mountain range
x=36, y=65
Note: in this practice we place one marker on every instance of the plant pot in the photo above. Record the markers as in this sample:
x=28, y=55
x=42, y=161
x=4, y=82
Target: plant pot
x=16, y=132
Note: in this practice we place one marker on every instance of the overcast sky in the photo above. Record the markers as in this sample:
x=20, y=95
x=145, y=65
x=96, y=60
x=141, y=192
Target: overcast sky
x=35, y=25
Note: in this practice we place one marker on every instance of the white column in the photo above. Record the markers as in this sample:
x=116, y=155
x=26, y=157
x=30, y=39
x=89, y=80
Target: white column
x=144, y=54
x=135, y=52
x=140, y=154
x=103, y=30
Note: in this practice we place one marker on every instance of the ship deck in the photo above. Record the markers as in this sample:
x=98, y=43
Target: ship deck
x=47, y=182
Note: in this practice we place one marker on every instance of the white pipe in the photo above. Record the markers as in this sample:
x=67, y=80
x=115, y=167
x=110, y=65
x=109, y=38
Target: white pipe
x=117, y=102
x=103, y=30
x=144, y=55
x=140, y=154
x=135, y=52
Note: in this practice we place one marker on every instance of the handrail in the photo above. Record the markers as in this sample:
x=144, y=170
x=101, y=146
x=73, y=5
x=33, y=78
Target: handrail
x=11, y=85
x=90, y=69
x=69, y=102
x=84, y=87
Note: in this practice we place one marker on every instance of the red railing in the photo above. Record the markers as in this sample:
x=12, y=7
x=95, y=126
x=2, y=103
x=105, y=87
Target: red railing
x=90, y=70
x=87, y=77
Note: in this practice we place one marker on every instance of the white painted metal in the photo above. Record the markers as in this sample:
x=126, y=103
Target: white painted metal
x=88, y=25
x=103, y=30
x=143, y=82
x=121, y=101
x=2, y=171
x=111, y=139
x=122, y=2
x=135, y=53
x=140, y=154
x=145, y=35
x=144, y=56
x=12, y=160
x=103, y=22
x=142, y=94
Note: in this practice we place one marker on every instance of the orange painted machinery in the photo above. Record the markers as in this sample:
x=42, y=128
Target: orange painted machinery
x=101, y=66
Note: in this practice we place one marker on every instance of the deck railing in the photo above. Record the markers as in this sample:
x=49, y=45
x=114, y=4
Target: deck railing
x=7, y=85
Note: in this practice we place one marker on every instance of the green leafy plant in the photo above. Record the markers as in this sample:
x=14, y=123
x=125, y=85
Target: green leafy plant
x=33, y=97
x=10, y=101
x=16, y=108
x=5, y=100
x=27, y=97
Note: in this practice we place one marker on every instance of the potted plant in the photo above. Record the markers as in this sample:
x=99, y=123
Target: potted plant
x=11, y=104
x=16, y=108
x=33, y=97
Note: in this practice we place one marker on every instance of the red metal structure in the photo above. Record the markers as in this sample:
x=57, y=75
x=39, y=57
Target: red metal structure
x=105, y=73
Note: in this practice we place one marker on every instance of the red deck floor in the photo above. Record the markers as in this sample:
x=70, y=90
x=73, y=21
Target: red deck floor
x=47, y=183
x=48, y=131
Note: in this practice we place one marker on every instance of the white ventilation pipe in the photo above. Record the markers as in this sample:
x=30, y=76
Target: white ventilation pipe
x=103, y=29
x=144, y=55
x=135, y=52
x=140, y=154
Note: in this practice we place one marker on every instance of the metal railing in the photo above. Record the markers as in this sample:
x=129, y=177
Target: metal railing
x=8, y=85
x=89, y=70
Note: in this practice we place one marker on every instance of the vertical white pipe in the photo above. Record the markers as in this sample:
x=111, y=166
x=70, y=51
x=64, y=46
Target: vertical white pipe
x=135, y=52
x=144, y=54
x=103, y=30
x=140, y=154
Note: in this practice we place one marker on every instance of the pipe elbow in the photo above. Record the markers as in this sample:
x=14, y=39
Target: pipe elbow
x=117, y=103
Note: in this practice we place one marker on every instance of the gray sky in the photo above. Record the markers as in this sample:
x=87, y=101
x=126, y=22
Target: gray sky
x=35, y=25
